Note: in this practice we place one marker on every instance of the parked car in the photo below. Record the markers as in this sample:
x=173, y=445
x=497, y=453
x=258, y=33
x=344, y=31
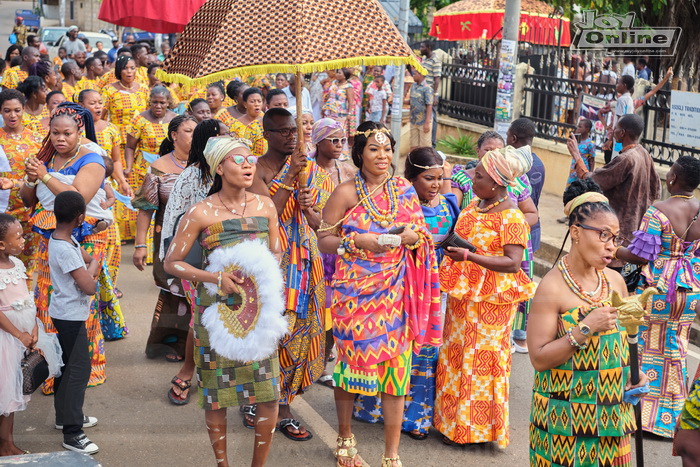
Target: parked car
x=50, y=35
x=31, y=20
x=139, y=35
x=93, y=37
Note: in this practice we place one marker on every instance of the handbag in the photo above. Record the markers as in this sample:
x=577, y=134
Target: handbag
x=195, y=257
x=13, y=38
x=454, y=240
x=35, y=370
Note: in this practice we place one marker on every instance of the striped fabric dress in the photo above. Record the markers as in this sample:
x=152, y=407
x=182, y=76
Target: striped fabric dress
x=578, y=417
x=378, y=301
x=301, y=356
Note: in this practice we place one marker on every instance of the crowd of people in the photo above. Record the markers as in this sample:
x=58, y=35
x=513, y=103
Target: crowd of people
x=274, y=256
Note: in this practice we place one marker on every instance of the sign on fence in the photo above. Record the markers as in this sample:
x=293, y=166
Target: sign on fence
x=685, y=118
x=590, y=105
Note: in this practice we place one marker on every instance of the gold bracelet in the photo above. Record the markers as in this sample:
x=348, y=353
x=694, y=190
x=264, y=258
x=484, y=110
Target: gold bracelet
x=286, y=187
x=45, y=179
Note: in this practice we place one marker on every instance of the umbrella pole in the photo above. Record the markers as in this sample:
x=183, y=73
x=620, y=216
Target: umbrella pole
x=303, y=175
x=632, y=339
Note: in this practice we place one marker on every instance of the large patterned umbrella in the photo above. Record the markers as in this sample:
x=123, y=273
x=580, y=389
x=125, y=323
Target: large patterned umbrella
x=475, y=19
x=233, y=38
x=162, y=16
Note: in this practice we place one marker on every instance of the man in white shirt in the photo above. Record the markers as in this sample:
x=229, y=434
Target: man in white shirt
x=629, y=68
x=73, y=44
x=623, y=106
x=305, y=96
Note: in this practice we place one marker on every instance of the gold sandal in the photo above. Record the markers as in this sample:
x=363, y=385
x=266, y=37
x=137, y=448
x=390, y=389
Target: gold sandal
x=389, y=461
x=345, y=447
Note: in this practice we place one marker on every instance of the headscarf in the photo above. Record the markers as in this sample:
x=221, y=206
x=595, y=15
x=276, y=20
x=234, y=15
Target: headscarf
x=505, y=165
x=323, y=128
x=217, y=149
x=589, y=197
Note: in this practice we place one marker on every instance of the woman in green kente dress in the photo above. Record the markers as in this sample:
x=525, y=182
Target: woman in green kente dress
x=580, y=354
x=227, y=217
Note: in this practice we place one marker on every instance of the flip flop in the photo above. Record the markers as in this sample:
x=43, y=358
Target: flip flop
x=327, y=381
x=416, y=436
x=284, y=425
x=184, y=385
x=248, y=411
x=174, y=358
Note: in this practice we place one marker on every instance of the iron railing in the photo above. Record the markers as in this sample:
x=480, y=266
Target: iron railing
x=553, y=103
x=468, y=93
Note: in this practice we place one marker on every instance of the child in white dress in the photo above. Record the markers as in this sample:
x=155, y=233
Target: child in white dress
x=20, y=330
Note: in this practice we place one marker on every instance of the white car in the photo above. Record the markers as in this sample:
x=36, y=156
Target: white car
x=93, y=37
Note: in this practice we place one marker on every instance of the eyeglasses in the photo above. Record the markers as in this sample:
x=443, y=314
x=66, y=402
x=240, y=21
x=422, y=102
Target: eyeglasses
x=238, y=159
x=604, y=235
x=337, y=141
x=285, y=132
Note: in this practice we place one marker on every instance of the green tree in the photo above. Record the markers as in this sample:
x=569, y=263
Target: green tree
x=654, y=13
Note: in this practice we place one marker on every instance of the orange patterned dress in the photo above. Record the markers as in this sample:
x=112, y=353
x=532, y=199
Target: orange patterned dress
x=18, y=148
x=473, y=367
x=13, y=77
x=122, y=108
x=33, y=122
x=235, y=128
x=254, y=133
x=107, y=139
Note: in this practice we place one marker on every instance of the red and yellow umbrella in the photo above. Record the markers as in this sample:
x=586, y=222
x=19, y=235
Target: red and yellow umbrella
x=483, y=19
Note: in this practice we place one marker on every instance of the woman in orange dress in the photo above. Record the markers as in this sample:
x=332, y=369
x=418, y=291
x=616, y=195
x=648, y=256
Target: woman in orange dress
x=18, y=142
x=144, y=135
x=216, y=98
x=35, y=91
x=123, y=100
x=252, y=121
x=235, y=90
x=484, y=288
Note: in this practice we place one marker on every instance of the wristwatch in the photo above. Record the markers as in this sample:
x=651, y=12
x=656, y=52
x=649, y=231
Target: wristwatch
x=585, y=330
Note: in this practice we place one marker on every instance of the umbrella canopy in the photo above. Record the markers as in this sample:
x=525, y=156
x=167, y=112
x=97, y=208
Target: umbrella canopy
x=233, y=38
x=160, y=16
x=476, y=19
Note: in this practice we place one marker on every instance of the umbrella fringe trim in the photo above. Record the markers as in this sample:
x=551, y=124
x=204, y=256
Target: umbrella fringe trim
x=246, y=71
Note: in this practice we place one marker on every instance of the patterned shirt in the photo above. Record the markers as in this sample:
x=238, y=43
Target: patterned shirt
x=13, y=77
x=421, y=97
x=587, y=150
x=434, y=67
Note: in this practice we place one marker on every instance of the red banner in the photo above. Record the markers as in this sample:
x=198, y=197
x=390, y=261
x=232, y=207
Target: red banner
x=536, y=29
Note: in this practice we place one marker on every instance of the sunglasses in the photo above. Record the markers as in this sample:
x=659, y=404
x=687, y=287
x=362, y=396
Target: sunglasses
x=285, y=132
x=238, y=159
x=604, y=235
x=337, y=141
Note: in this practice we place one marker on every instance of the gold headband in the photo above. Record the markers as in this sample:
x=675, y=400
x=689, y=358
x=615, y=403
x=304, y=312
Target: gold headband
x=368, y=133
x=590, y=197
x=425, y=167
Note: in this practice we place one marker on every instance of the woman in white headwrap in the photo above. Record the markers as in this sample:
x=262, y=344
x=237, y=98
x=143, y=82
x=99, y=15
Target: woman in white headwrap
x=484, y=288
x=238, y=317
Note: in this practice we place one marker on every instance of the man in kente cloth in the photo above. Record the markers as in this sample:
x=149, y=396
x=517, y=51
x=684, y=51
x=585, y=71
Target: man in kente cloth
x=299, y=208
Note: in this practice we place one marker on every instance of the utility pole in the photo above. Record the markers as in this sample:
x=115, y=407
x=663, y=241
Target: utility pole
x=506, y=67
x=397, y=104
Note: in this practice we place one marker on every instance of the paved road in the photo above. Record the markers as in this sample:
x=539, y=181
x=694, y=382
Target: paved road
x=138, y=426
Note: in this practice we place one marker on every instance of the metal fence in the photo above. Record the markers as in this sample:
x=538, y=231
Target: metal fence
x=553, y=103
x=468, y=93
